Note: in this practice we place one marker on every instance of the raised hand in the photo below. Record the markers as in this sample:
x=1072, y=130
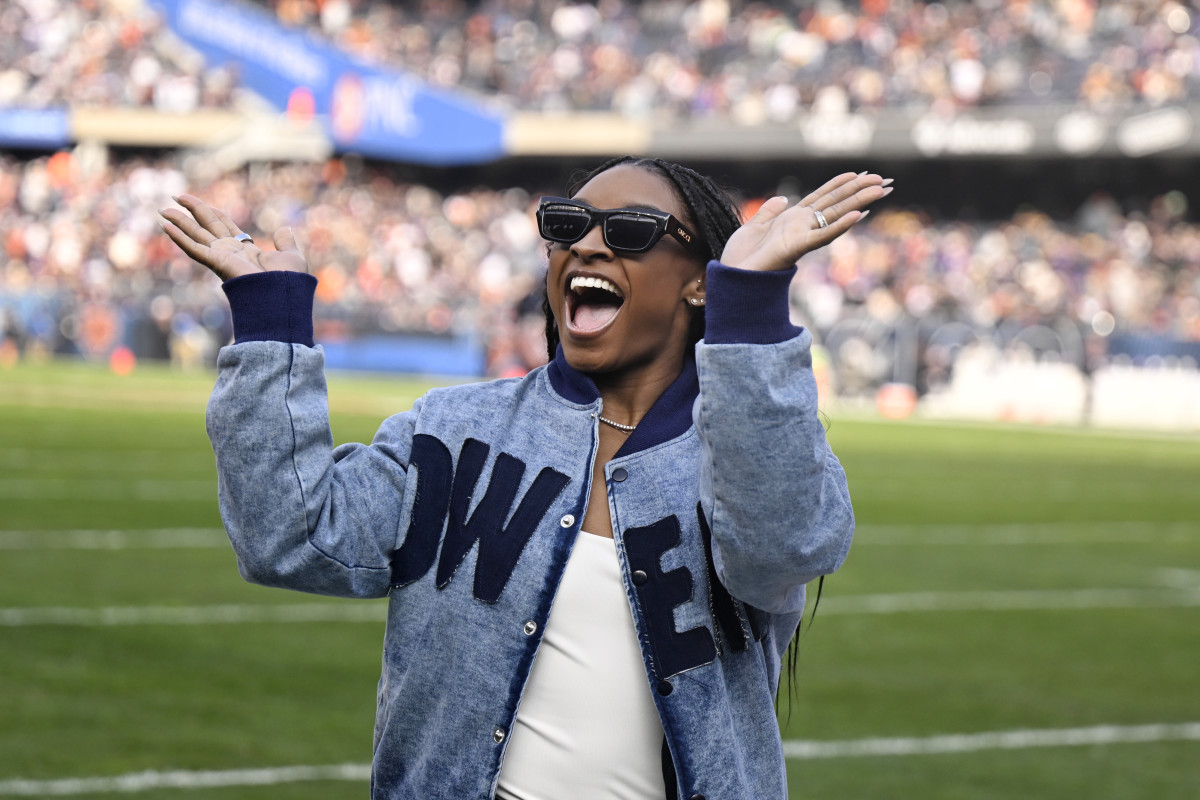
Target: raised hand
x=210, y=237
x=777, y=236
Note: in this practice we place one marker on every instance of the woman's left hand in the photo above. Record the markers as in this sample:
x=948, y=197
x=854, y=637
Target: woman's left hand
x=777, y=236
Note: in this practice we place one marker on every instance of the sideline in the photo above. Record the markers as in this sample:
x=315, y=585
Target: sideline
x=794, y=749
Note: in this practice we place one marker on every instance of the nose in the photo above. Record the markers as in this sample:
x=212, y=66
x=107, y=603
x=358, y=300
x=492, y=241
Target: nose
x=592, y=245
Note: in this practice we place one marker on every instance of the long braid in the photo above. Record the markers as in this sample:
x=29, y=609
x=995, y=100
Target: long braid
x=710, y=209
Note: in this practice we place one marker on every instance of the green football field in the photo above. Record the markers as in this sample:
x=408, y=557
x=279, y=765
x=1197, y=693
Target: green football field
x=1019, y=616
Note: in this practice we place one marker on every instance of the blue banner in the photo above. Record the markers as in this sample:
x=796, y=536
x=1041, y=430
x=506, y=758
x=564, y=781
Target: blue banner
x=47, y=128
x=366, y=109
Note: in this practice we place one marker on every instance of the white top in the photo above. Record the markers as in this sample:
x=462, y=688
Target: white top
x=586, y=727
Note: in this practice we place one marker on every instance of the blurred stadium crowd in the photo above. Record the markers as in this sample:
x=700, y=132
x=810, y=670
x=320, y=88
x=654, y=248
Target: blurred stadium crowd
x=86, y=268
x=754, y=62
x=751, y=62
x=101, y=53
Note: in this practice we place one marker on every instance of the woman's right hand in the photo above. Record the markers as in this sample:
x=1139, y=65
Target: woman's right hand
x=208, y=236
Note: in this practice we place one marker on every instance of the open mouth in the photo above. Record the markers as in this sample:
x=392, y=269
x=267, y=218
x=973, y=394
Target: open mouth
x=592, y=303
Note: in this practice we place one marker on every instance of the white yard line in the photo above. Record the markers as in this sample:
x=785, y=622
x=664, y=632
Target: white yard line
x=107, y=489
x=868, y=416
x=1027, y=533
x=357, y=611
x=184, y=779
x=792, y=749
x=106, y=462
x=1017, y=600
x=149, y=539
x=141, y=399
x=1049, y=533
x=995, y=740
x=1187, y=579
x=350, y=611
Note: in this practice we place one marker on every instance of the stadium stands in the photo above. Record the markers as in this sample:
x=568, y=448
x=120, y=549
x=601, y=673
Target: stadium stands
x=84, y=269
x=750, y=62
x=80, y=233
x=757, y=62
x=101, y=54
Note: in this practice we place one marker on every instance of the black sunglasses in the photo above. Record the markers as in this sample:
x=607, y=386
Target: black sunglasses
x=632, y=230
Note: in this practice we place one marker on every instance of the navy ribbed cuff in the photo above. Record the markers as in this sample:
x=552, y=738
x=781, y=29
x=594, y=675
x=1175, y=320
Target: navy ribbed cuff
x=273, y=306
x=747, y=307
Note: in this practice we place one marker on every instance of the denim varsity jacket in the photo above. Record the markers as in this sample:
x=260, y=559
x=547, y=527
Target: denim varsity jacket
x=725, y=501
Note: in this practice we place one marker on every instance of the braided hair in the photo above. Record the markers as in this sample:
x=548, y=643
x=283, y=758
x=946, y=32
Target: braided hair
x=710, y=210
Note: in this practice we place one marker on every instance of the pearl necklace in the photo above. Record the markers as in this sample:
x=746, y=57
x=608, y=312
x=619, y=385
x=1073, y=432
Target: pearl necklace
x=617, y=425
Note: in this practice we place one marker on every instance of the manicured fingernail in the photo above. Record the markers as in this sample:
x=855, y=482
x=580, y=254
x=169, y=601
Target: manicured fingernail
x=888, y=191
x=864, y=172
x=887, y=181
x=865, y=213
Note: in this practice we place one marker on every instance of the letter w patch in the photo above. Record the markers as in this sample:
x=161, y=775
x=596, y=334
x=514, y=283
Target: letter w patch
x=500, y=545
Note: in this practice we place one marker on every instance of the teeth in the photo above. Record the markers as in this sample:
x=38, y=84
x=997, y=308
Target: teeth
x=579, y=283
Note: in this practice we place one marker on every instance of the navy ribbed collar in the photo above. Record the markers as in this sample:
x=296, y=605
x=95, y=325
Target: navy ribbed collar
x=670, y=416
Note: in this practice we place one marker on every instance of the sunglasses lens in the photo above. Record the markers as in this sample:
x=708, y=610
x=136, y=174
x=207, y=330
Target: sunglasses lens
x=632, y=232
x=565, y=223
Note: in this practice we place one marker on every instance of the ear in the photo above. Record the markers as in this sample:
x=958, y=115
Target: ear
x=693, y=293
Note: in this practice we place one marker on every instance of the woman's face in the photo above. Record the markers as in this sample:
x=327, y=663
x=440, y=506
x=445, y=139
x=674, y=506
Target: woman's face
x=617, y=311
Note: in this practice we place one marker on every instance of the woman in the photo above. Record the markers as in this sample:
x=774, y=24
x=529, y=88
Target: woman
x=593, y=570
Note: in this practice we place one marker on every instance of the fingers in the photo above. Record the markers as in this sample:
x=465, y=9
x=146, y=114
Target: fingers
x=207, y=224
x=844, y=198
x=848, y=191
x=836, y=227
x=859, y=200
x=224, y=219
x=285, y=240
x=206, y=235
x=206, y=216
x=186, y=241
x=187, y=226
x=824, y=195
x=769, y=210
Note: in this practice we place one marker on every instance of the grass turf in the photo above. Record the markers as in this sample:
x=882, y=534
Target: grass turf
x=945, y=509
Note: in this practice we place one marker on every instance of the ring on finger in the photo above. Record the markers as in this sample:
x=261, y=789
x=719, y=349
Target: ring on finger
x=821, y=221
x=245, y=237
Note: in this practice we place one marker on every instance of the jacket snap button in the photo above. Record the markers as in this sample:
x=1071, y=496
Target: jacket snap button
x=568, y=520
x=639, y=577
x=665, y=688
x=530, y=628
x=619, y=474
x=696, y=796
x=498, y=735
